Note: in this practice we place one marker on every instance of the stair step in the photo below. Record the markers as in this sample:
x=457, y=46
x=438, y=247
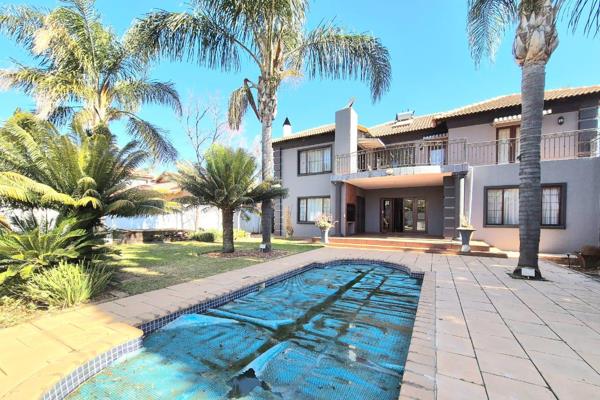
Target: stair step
x=400, y=244
x=474, y=253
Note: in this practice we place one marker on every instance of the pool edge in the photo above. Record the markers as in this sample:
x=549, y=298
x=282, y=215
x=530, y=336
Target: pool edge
x=73, y=380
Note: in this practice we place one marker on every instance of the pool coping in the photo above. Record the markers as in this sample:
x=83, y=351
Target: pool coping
x=420, y=369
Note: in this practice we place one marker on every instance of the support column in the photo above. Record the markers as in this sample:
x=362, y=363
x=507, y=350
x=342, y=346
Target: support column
x=450, y=207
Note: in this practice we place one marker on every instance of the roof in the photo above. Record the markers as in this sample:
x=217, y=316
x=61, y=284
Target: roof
x=319, y=130
x=429, y=121
x=513, y=100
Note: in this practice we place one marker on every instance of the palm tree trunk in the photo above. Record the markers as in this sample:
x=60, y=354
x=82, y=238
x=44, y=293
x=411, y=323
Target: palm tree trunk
x=530, y=191
x=228, y=246
x=268, y=109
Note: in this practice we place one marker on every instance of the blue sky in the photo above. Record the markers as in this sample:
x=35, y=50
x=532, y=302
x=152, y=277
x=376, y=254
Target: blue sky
x=432, y=68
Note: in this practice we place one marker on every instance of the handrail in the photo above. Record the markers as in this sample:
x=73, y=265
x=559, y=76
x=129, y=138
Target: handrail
x=553, y=146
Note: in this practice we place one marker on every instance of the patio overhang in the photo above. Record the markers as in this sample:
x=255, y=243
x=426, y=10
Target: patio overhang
x=430, y=175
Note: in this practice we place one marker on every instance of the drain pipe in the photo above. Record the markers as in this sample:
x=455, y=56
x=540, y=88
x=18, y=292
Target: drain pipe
x=338, y=208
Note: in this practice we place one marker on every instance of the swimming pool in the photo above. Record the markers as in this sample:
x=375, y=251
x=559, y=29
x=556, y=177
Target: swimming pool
x=336, y=332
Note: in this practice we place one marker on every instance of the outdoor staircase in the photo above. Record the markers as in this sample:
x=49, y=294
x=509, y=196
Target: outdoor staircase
x=424, y=245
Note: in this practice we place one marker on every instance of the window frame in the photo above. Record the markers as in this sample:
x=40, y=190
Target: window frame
x=513, y=142
x=305, y=150
x=562, y=206
x=298, y=220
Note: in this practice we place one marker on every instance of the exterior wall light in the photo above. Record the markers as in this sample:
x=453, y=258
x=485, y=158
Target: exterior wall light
x=560, y=120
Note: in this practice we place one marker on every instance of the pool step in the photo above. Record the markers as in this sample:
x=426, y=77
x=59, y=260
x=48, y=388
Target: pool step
x=477, y=252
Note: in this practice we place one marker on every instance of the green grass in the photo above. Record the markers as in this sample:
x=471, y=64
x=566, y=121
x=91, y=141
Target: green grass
x=144, y=267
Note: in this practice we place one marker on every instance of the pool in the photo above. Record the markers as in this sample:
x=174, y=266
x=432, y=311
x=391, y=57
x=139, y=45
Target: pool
x=334, y=332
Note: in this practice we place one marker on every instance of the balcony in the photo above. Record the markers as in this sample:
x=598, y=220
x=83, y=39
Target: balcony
x=554, y=146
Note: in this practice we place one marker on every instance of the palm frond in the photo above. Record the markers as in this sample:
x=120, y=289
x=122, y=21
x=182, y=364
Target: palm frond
x=487, y=21
x=21, y=23
x=153, y=137
x=329, y=52
x=131, y=94
x=587, y=11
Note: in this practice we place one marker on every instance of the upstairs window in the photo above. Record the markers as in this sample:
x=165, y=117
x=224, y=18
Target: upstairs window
x=314, y=161
x=502, y=206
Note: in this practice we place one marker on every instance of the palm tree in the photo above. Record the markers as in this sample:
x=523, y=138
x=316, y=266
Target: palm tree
x=228, y=182
x=272, y=35
x=85, y=72
x=81, y=176
x=535, y=40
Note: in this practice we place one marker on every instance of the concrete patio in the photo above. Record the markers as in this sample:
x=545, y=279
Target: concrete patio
x=479, y=334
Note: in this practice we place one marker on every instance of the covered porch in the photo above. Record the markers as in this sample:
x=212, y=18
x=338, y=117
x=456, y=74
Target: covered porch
x=402, y=203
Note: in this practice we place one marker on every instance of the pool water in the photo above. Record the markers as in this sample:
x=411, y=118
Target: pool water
x=337, y=332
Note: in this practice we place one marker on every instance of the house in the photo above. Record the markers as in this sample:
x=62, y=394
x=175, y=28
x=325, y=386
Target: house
x=417, y=175
x=189, y=219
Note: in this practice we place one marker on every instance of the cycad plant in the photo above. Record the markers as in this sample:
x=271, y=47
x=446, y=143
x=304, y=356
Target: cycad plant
x=228, y=181
x=535, y=40
x=84, y=72
x=272, y=34
x=24, y=252
x=78, y=175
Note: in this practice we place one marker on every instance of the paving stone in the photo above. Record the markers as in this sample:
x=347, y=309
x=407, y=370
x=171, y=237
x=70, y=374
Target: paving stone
x=458, y=366
x=455, y=389
x=502, y=388
x=509, y=367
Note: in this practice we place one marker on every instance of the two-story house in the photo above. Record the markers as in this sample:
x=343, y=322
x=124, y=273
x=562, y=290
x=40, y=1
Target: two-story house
x=417, y=175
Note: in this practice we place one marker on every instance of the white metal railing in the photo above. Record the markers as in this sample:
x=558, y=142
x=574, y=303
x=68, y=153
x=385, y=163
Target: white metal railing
x=553, y=146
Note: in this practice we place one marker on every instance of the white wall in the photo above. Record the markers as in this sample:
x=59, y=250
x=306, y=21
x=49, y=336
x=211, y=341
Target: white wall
x=303, y=186
x=582, y=208
x=191, y=219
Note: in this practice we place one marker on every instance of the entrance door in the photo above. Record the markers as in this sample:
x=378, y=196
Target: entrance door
x=414, y=213
x=387, y=215
x=403, y=215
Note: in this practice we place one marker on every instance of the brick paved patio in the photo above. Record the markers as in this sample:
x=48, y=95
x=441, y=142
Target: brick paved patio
x=479, y=334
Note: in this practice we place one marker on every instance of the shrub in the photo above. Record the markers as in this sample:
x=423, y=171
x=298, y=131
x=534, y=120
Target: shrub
x=22, y=253
x=67, y=284
x=240, y=234
x=288, y=223
x=202, y=236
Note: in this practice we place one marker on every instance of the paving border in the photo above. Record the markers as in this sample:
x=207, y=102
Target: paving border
x=421, y=351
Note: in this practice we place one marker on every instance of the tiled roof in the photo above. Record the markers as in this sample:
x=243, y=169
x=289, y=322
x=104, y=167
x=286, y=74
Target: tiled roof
x=328, y=128
x=394, y=127
x=430, y=120
x=513, y=100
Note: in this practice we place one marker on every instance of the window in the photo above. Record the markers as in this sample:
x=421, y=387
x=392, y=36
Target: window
x=314, y=161
x=507, y=148
x=310, y=207
x=502, y=206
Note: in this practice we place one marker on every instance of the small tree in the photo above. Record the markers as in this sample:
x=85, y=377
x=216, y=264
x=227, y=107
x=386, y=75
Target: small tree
x=287, y=223
x=228, y=181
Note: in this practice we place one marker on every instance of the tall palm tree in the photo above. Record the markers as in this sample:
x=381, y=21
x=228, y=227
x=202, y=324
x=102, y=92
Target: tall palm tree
x=535, y=40
x=84, y=72
x=80, y=176
x=227, y=181
x=272, y=35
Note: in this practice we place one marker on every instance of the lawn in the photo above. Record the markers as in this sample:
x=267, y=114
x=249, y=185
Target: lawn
x=144, y=267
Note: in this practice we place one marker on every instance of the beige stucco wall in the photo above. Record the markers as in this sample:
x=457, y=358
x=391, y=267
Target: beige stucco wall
x=487, y=132
x=302, y=186
x=582, y=177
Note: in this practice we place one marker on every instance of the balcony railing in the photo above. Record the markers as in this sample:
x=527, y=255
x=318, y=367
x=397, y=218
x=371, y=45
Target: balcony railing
x=554, y=146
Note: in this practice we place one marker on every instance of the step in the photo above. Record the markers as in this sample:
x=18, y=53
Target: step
x=475, y=253
x=394, y=243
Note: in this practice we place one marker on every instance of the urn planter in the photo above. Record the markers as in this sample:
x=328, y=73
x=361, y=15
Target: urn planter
x=465, y=239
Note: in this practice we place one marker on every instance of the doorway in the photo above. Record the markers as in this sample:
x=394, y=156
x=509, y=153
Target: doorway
x=360, y=214
x=403, y=215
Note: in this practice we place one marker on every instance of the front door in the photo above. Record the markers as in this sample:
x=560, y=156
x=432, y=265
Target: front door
x=404, y=215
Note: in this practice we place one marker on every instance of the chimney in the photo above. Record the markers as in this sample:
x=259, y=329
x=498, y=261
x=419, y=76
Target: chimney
x=287, y=127
x=346, y=134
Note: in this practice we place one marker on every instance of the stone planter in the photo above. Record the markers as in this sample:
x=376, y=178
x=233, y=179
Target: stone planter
x=325, y=236
x=465, y=238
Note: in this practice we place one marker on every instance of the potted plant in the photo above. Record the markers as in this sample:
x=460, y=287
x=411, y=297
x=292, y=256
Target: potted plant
x=324, y=222
x=465, y=231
